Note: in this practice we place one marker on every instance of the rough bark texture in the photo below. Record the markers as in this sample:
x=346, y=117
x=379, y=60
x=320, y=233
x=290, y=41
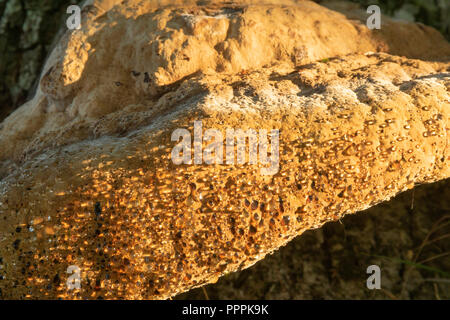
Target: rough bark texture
x=27, y=30
x=86, y=172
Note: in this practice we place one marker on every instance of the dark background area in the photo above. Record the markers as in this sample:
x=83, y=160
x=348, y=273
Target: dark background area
x=407, y=237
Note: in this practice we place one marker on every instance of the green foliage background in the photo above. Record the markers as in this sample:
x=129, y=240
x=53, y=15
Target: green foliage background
x=435, y=13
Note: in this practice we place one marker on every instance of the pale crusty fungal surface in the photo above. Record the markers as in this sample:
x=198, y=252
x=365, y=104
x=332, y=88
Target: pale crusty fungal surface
x=87, y=178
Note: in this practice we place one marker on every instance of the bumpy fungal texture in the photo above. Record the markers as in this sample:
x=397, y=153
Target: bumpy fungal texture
x=87, y=178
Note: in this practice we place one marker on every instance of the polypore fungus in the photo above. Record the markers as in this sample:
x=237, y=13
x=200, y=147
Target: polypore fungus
x=87, y=177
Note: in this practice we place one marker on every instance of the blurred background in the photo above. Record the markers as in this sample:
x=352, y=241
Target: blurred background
x=408, y=237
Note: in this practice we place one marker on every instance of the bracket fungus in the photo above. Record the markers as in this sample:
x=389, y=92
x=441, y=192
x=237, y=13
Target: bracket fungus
x=86, y=173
